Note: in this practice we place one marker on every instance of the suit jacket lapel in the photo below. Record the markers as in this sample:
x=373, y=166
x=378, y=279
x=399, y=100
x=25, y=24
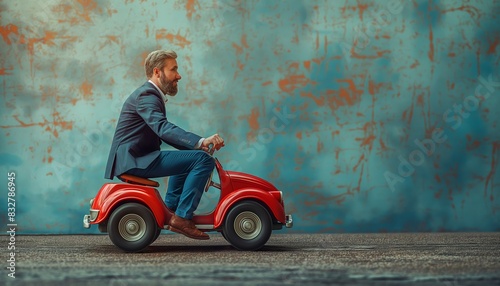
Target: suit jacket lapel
x=155, y=92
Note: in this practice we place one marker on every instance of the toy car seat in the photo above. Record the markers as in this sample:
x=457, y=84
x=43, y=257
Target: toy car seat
x=131, y=179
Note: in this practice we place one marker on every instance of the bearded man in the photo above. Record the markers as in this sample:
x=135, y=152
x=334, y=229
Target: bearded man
x=141, y=129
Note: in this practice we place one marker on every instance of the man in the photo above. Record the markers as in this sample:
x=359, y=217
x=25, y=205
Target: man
x=143, y=126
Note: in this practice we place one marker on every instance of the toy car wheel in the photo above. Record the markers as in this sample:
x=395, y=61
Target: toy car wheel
x=158, y=232
x=247, y=226
x=132, y=227
x=103, y=227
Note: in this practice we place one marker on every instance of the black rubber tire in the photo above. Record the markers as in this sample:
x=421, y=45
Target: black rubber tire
x=248, y=226
x=157, y=234
x=137, y=224
x=103, y=228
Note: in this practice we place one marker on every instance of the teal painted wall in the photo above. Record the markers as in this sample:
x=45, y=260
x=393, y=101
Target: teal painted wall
x=371, y=116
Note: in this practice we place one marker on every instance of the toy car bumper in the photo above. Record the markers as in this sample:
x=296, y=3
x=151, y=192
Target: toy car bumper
x=288, y=221
x=86, y=221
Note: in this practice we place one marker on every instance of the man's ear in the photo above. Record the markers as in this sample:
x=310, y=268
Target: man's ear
x=156, y=71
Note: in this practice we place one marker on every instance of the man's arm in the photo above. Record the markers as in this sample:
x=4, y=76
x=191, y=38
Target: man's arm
x=149, y=108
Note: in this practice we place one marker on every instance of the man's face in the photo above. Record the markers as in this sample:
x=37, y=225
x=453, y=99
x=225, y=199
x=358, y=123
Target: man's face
x=168, y=77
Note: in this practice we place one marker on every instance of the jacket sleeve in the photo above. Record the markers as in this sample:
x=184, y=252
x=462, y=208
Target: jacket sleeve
x=149, y=108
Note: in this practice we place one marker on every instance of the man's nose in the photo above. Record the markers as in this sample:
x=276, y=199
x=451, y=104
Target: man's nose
x=179, y=76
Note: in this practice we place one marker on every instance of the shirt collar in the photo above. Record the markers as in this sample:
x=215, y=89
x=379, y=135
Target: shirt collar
x=165, y=98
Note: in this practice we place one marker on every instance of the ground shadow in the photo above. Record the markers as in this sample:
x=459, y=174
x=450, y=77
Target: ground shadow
x=176, y=248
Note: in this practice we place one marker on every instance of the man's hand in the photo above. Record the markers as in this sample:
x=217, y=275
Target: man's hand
x=214, y=139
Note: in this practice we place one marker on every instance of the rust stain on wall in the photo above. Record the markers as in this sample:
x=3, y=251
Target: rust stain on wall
x=174, y=39
x=191, y=6
x=86, y=90
x=293, y=82
x=50, y=126
x=5, y=31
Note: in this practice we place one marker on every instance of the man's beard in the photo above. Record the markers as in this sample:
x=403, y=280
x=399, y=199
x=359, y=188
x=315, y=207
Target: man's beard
x=167, y=87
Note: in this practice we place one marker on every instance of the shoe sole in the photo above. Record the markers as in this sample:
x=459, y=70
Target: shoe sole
x=186, y=234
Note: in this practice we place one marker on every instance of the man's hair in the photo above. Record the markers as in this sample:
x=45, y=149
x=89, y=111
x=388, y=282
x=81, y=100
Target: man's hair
x=157, y=59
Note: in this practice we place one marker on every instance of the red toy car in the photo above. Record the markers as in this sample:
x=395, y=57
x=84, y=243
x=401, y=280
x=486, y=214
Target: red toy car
x=133, y=213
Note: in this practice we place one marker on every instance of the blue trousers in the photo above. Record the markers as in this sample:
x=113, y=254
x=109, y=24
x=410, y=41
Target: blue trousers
x=189, y=171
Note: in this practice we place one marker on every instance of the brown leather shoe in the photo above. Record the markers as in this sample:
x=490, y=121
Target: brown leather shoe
x=186, y=227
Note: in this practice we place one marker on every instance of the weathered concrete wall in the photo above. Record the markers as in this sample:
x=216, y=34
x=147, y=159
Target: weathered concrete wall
x=370, y=115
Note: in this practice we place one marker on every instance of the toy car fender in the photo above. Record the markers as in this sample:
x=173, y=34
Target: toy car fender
x=113, y=195
x=265, y=198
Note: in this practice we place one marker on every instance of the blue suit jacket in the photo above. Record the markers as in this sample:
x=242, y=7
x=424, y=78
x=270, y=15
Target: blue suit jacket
x=140, y=130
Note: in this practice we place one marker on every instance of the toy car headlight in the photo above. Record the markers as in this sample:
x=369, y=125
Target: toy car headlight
x=93, y=214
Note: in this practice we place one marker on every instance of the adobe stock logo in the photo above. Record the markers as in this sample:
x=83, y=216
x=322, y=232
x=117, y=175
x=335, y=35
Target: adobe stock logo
x=454, y=116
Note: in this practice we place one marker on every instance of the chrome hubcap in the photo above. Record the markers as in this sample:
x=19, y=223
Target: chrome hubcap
x=132, y=227
x=247, y=225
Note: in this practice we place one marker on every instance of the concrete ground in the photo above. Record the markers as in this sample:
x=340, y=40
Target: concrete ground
x=446, y=259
